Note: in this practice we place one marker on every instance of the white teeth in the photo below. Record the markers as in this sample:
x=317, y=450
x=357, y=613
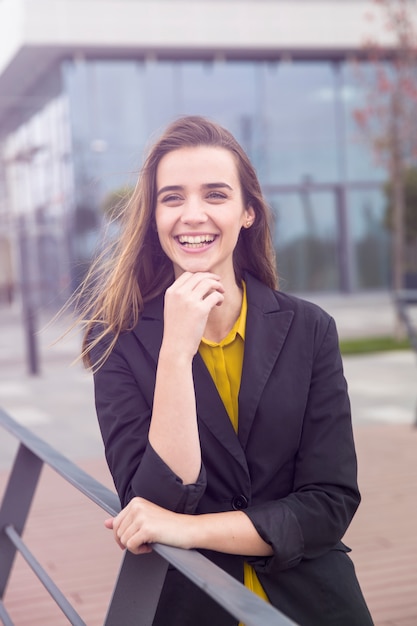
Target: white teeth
x=196, y=239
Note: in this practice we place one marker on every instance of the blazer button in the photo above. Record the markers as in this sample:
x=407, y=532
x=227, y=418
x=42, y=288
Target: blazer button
x=239, y=502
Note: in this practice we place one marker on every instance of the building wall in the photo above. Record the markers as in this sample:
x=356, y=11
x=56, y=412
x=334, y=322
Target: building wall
x=181, y=24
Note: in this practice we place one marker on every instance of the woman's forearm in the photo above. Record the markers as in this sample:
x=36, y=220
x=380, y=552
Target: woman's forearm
x=231, y=532
x=173, y=431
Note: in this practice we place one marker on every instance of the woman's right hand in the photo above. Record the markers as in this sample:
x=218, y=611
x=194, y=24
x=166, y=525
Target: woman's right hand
x=188, y=302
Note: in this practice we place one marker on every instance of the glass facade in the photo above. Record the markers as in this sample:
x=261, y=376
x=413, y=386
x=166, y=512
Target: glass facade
x=38, y=186
x=306, y=238
x=295, y=119
x=369, y=238
x=300, y=123
x=361, y=163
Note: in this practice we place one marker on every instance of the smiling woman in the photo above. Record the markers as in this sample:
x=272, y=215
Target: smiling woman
x=221, y=401
x=200, y=211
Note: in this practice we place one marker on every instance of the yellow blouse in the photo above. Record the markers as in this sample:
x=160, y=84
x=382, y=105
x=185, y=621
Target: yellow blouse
x=224, y=361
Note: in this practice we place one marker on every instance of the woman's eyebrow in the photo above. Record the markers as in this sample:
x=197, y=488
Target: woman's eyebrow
x=170, y=188
x=217, y=185
x=204, y=186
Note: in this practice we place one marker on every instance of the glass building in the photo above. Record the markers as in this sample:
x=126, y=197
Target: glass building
x=82, y=135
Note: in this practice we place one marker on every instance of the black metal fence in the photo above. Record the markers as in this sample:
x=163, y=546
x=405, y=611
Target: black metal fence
x=139, y=583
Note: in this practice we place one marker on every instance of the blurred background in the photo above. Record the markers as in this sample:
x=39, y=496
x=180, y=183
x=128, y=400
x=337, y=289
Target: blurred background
x=84, y=85
x=322, y=94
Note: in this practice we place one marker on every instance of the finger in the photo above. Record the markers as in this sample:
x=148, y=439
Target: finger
x=209, y=299
x=118, y=541
x=209, y=285
x=145, y=548
x=195, y=292
x=214, y=299
x=109, y=523
x=130, y=527
x=182, y=280
x=122, y=528
x=137, y=543
x=205, y=286
x=190, y=279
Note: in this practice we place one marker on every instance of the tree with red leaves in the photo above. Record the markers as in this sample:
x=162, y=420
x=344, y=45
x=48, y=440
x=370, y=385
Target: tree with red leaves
x=388, y=118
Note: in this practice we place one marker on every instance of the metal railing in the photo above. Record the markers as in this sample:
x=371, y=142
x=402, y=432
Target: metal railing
x=139, y=583
x=404, y=301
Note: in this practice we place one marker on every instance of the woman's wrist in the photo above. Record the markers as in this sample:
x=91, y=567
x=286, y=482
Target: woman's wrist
x=172, y=353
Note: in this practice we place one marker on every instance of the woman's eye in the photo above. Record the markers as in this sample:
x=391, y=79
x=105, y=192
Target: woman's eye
x=171, y=198
x=216, y=195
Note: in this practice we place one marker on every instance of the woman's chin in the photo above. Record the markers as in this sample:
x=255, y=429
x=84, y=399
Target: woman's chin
x=193, y=268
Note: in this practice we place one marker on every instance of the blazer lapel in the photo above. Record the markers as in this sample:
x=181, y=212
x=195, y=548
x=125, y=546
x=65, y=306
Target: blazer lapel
x=266, y=330
x=150, y=328
x=212, y=412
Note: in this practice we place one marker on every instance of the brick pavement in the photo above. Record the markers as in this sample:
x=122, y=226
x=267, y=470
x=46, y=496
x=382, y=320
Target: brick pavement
x=383, y=532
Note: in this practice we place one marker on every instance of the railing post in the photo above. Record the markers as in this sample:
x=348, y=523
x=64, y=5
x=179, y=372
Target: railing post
x=137, y=591
x=16, y=505
x=403, y=299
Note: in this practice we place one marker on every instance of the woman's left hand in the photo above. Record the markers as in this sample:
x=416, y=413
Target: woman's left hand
x=142, y=523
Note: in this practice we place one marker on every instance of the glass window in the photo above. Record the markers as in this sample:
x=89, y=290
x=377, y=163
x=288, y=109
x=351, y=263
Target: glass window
x=370, y=239
x=223, y=91
x=305, y=237
x=108, y=124
x=299, y=125
x=39, y=190
x=361, y=163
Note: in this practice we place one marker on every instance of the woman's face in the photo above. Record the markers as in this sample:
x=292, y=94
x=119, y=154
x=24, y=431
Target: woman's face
x=199, y=209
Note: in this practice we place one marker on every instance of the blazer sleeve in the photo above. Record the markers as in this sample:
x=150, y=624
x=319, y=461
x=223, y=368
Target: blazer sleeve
x=313, y=518
x=124, y=416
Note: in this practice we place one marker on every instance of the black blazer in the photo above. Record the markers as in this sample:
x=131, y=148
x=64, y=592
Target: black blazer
x=291, y=467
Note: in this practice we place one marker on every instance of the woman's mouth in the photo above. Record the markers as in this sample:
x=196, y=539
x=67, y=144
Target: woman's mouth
x=195, y=241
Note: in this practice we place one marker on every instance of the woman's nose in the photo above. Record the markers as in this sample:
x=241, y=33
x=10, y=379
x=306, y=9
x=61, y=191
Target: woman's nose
x=193, y=212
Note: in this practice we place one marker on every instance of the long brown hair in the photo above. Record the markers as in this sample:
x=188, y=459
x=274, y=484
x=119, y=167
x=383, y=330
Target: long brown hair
x=135, y=269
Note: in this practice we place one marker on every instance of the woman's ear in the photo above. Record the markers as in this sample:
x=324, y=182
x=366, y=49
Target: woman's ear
x=250, y=217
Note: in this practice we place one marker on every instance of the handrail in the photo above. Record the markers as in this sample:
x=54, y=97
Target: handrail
x=139, y=583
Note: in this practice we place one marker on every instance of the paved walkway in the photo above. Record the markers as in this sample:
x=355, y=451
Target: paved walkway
x=67, y=534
